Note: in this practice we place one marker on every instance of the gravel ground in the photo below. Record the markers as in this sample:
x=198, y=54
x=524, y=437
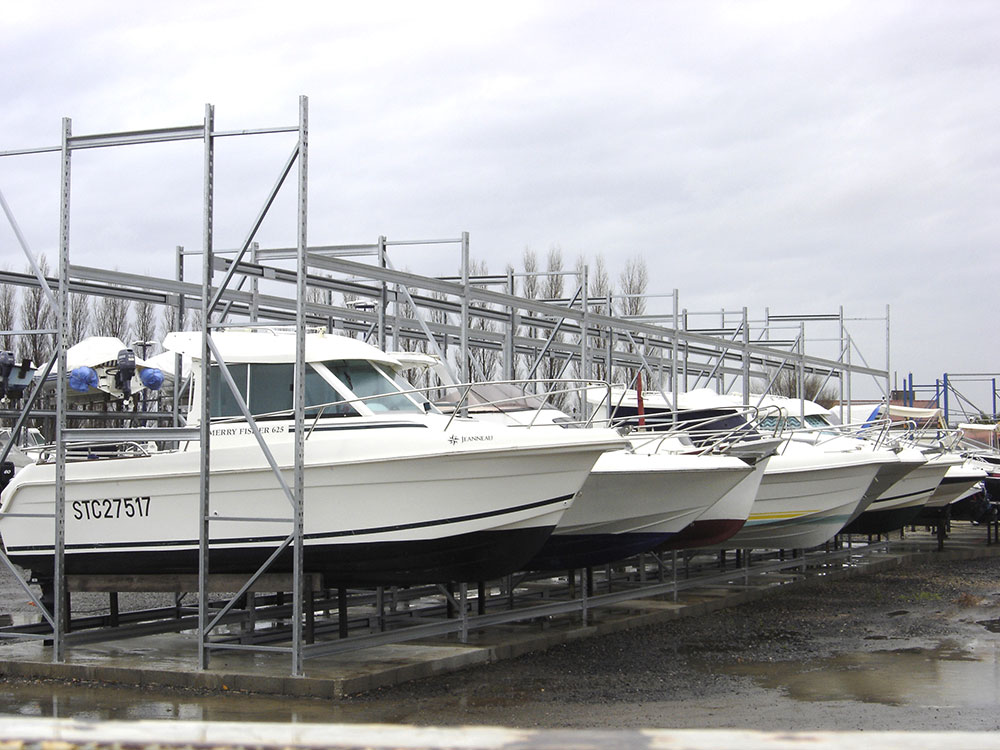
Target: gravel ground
x=908, y=648
x=719, y=670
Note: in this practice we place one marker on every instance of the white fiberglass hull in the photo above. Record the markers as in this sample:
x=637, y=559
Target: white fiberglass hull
x=633, y=502
x=805, y=499
x=901, y=503
x=959, y=481
x=726, y=517
x=384, y=502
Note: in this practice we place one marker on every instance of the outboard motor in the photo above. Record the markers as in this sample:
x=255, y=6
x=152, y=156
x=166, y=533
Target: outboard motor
x=6, y=473
x=125, y=371
x=24, y=375
x=6, y=366
x=14, y=380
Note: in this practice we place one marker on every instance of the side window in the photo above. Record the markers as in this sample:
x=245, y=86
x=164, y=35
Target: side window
x=270, y=391
x=271, y=388
x=222, y=400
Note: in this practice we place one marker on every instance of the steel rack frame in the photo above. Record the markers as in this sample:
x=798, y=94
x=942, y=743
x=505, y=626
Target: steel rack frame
x=57, y=291
x=450, y=314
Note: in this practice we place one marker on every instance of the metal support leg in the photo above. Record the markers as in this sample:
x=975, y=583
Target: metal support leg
x=673, y=571
x=380, y=608
x=463, y=600
x=342, y=611
x=307, y=595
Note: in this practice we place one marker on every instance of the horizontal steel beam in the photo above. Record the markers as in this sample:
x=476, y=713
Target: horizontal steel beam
x=131, y=434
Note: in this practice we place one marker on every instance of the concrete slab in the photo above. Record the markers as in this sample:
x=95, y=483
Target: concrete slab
x=171, y=659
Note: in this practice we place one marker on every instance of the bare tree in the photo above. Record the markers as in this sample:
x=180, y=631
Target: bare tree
x=553, y=289
x=349, y=299
x=79, y=317
x=600, y=292
x=785, y=382
x=529, y=282
x=484, y=359
x=8, y=315
x=111, y=318
x=634, y=279
x=37, y=314
x=631, y=303
x=554, y=281
x=170, y=319
x=529, y=290
x=146, y=330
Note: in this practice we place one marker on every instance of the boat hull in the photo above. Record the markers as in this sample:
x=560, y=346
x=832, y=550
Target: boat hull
x=899, y=504
x=723, y=519
x=634, y=502
x=804, y=501
x=380, y=507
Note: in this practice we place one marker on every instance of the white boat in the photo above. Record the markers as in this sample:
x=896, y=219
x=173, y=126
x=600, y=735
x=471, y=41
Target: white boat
x=25, y=450
x=395, y=491
x=960, y=480
x=103, y=368
x=723, y=519
x=634, y=502
x=635, y=499
x=807, y=494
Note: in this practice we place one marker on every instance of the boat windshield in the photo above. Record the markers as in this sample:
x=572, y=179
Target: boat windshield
x=364, y=379
x=493, y=397
x=30, y=437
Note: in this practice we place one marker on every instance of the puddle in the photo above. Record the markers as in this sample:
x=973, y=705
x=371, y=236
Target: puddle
x=128, y=704
x=949, y=674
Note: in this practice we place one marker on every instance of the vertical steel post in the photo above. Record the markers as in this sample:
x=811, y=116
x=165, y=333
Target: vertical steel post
x=802, y=371
x=850, y=376
x=585, y=372
x=254, y=286
x=463, y=603
x=205, y=424
x=175, y=401
x=60, y=615
x=383, y=294
x=746, y=358
x=610, y=348
x=888, y=384
x=466, y=371
x=843, y=413
x=508, y=342
x=299, y=390
x=944, y=391
x=674, y=354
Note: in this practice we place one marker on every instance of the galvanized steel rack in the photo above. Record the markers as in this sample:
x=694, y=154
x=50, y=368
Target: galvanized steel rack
x=457, y=318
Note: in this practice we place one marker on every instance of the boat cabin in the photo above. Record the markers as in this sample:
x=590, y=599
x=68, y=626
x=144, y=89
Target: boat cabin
x=344, y=377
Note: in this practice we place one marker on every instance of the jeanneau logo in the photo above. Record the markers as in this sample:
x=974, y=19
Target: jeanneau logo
x=455, y=439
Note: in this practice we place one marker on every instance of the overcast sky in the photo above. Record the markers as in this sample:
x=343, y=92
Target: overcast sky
x=799, y=156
